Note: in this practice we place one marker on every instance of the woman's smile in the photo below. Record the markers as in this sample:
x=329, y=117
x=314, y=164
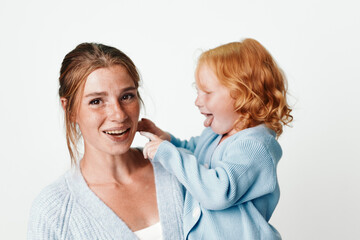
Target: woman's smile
x=109, y=111
x=118, y=135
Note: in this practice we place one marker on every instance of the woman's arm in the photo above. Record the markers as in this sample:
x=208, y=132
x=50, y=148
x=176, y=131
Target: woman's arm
x=41, y=222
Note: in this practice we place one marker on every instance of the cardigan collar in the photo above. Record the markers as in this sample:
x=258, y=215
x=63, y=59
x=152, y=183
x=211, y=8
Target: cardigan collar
x=169, y=212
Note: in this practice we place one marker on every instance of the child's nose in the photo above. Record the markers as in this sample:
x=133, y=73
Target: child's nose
x=198, y=101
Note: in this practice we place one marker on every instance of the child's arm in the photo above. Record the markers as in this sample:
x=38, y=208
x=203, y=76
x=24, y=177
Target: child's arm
x=146, y=125
x=187, y=144
x=245, y=172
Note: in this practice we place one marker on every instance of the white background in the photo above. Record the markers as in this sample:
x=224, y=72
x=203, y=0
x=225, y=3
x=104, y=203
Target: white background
x=317, y=44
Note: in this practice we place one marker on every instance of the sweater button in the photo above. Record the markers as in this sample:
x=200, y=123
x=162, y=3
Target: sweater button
x=196, y=212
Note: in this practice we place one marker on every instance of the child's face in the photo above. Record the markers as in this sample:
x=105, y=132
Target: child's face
x=215, y=103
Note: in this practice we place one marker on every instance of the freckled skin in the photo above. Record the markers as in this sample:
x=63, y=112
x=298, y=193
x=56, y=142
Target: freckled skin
x=113, y=109
x=117, y=174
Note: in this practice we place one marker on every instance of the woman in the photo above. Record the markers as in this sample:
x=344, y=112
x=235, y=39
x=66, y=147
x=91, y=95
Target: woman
x=113, y=192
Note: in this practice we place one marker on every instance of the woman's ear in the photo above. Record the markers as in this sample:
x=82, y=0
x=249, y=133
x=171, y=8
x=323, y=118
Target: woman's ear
x=63, y=103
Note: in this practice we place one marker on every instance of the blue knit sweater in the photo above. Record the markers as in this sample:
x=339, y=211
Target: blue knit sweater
x=232, y=187
x=68, y=209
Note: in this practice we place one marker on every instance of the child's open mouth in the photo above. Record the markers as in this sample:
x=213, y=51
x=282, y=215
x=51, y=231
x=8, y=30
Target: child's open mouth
x=208, y=120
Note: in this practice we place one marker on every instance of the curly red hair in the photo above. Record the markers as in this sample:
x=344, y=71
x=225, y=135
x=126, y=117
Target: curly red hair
x=257, y=84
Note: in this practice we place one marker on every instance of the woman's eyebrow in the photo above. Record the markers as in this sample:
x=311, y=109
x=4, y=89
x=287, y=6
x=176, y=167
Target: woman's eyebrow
x=100, y=94
x=128, y=89
x=96, y=94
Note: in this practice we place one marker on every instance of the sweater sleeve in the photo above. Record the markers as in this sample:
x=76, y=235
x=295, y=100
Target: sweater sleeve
x=245, y=172
x=49, y=214
x=187, y=144
x=39, y=227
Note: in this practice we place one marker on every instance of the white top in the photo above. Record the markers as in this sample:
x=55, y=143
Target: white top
x=154, y=232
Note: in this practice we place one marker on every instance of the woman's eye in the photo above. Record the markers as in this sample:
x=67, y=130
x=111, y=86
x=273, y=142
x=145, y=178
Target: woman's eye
x=95, y=102
x=127, y=96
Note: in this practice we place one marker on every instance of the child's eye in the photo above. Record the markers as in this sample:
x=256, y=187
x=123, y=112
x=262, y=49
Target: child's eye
x=95, y=102
x=203, y=92
x=127, y=97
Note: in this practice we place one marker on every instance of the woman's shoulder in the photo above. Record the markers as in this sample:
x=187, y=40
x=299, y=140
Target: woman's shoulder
x=51, y=200
x=50, y=211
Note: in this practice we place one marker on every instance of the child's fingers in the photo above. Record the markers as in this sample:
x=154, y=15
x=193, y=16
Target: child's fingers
x=141, y=125
x=144, y=125
x=145, y=152
x=150, y=136
x=145, y=120
x=150, y=149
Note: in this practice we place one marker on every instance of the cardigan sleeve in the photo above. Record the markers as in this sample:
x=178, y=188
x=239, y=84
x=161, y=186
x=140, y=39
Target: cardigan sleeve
x=245, y=172
x=49, y=214
x=187, y=144
x=40, y=226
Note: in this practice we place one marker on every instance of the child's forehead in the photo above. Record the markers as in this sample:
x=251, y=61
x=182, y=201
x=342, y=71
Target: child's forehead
x=205, y=76
x=200, y=83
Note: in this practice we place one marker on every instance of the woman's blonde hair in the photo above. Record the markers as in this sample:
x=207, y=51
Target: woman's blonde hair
x=255, y=81
x=75, y=68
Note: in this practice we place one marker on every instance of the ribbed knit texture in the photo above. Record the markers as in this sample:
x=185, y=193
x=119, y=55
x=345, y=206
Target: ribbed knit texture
x=232, y=187
x=68, y=209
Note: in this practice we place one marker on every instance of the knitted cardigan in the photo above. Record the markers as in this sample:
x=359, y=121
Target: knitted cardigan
x=231, y=187
x=68, y=209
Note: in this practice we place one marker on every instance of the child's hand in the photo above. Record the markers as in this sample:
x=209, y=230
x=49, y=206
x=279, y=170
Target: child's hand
x=152, y=146
x=145, y=125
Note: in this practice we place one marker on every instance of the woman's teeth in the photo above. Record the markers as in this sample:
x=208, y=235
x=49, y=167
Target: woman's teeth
x=117, y=132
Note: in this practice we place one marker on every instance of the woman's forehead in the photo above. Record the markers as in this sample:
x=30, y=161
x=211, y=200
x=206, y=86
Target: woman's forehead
x=115, y=78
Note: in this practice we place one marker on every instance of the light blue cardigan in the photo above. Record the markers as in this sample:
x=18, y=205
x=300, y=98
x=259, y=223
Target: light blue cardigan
x=68, y=209
x=232, y=188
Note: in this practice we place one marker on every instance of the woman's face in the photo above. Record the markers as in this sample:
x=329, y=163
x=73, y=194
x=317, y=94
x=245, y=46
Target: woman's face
x=109, y=111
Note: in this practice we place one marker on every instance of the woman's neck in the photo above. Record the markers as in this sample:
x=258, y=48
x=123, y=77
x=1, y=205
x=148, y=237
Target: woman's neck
x=102, y=168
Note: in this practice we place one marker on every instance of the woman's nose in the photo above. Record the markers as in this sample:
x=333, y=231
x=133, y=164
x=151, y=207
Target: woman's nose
x=117, y=112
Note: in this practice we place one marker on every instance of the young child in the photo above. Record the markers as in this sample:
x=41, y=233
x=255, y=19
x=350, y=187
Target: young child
x=229, y=172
